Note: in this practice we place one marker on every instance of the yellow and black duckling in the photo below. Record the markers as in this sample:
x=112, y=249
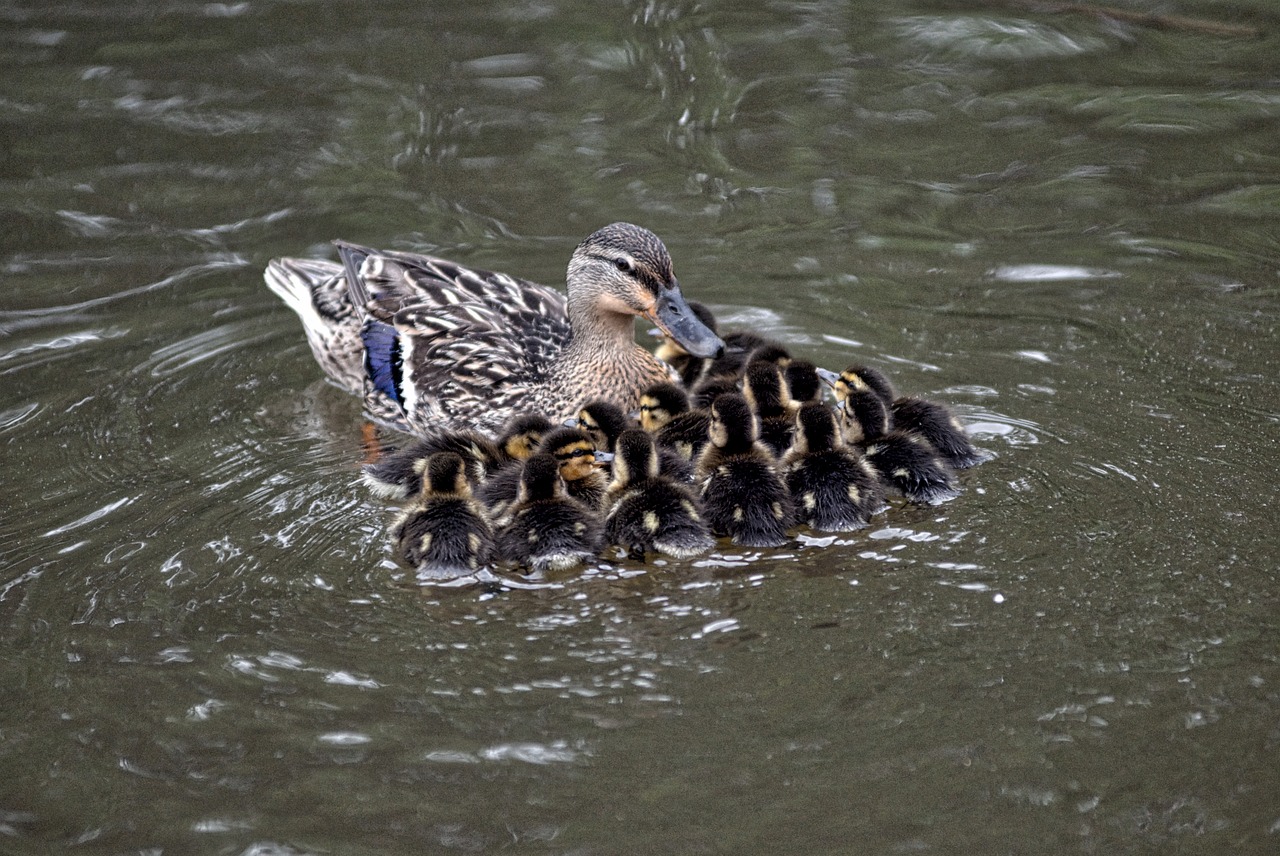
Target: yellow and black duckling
x=604, y=422
x=648, y=511
x=671, y=352
x=443, y=532
x=832, y=486
x=398, y=474
x=580, y=468
x=743, y=495
x=433, y=344
x=803, y=384
x=545, y=529
x=763, y=388
x=904, y=460
x=665, y=413
x=930, y=419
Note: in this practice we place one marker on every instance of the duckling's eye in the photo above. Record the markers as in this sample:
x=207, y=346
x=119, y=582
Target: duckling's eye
x=623, y=265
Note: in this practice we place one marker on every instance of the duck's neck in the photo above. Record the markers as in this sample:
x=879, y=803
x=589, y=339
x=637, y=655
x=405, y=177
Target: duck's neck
x=602, y=360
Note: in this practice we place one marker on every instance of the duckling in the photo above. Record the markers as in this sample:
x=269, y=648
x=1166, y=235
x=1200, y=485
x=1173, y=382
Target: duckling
x=763, y=388
x=930, y=419
x=834, y=489
x=740, y=349
x=709, y=389
x=604, y=422
x=905, y=461
x=803, y=384
x=742, y=494
x=672, y=353
x=397, y=475
x=665, y=413
x=648, y=511
x=579, y=463
x=443, y=532
x=545, y=528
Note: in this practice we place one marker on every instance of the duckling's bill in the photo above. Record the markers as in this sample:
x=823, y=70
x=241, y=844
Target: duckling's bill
x=671, y=312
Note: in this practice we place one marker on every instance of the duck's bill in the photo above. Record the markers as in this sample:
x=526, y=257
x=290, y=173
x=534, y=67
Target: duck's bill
x=675, y=319
x=828, y=377
x=603, y=459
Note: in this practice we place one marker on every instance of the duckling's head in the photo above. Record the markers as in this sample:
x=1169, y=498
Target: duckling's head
x=635, y=458
x=772, y=352
x=803, y=385
x=540, y=478
x=573, y=450
x=603, y=421
x=522, y=434
x=733, y=425
x=863, y=416
x=818, y=431
x=661, y=403
x=444, y=472
x=843, y=384
x=762, y=387
x=875, y=380
x=709, y=390
x=624, y=270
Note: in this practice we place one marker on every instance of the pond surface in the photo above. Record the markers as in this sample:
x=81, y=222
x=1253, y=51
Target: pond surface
x=1066, y=226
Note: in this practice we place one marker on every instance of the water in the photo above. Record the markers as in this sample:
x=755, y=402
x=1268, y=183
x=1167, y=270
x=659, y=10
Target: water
x=1063, y=225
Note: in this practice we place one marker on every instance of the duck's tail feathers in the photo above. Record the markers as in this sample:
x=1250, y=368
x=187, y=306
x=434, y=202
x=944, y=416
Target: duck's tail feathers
x=353, y=257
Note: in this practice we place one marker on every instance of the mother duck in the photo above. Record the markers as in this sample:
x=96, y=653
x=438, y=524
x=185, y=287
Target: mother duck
x=432, y=344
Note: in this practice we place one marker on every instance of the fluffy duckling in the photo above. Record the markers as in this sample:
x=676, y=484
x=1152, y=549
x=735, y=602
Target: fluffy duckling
x=671, y=352
x=763, y=388
x=803, y=384
x=711, y=388
x=834, y=489
x=742, y=494
x=904, y=460
x=930, y=419
x=580, y=464
x=648, y=511
x=545, y=528
x=443, y=532
x=665, y=413
x=398, y=474
x=604, y=422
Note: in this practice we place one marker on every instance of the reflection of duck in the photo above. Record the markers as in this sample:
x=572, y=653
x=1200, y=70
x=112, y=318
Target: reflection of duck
x=397, y=475
x=931, y=420
x=579, y=463
x=443, y=532
x=647, y=511
x=833, y=488
x=742, y=493
x=545, y=529
x=444, y=345
x=905, y=461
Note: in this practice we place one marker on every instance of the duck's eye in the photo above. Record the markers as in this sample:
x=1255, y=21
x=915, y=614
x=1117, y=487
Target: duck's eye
x=623, y=265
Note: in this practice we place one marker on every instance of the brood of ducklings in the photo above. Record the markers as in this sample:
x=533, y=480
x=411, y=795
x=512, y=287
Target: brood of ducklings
x=545, y=528
x=671, y=352
x=763, y=389
x=665, y=413
x=833, y=488
x=397, y=475
x=904, y=460
x=648, y=511
x=930, y=419
x=579, y=463
x=443, y=532
x=803, y=384
x=742, y=494
x=604, y=423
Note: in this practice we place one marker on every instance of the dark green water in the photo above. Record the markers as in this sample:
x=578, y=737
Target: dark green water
x=1067, y=227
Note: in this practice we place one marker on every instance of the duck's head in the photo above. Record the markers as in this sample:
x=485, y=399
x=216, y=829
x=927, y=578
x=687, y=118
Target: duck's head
x=803, y=384
x=603, y=421
x=626, y=270
x=636, y=457
x=522, y=434
x=817, y=430
x=661, y=403
x=444, y=472
x=733, y=425
x=574, y=452
x=762, y=387
x=540, y=478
